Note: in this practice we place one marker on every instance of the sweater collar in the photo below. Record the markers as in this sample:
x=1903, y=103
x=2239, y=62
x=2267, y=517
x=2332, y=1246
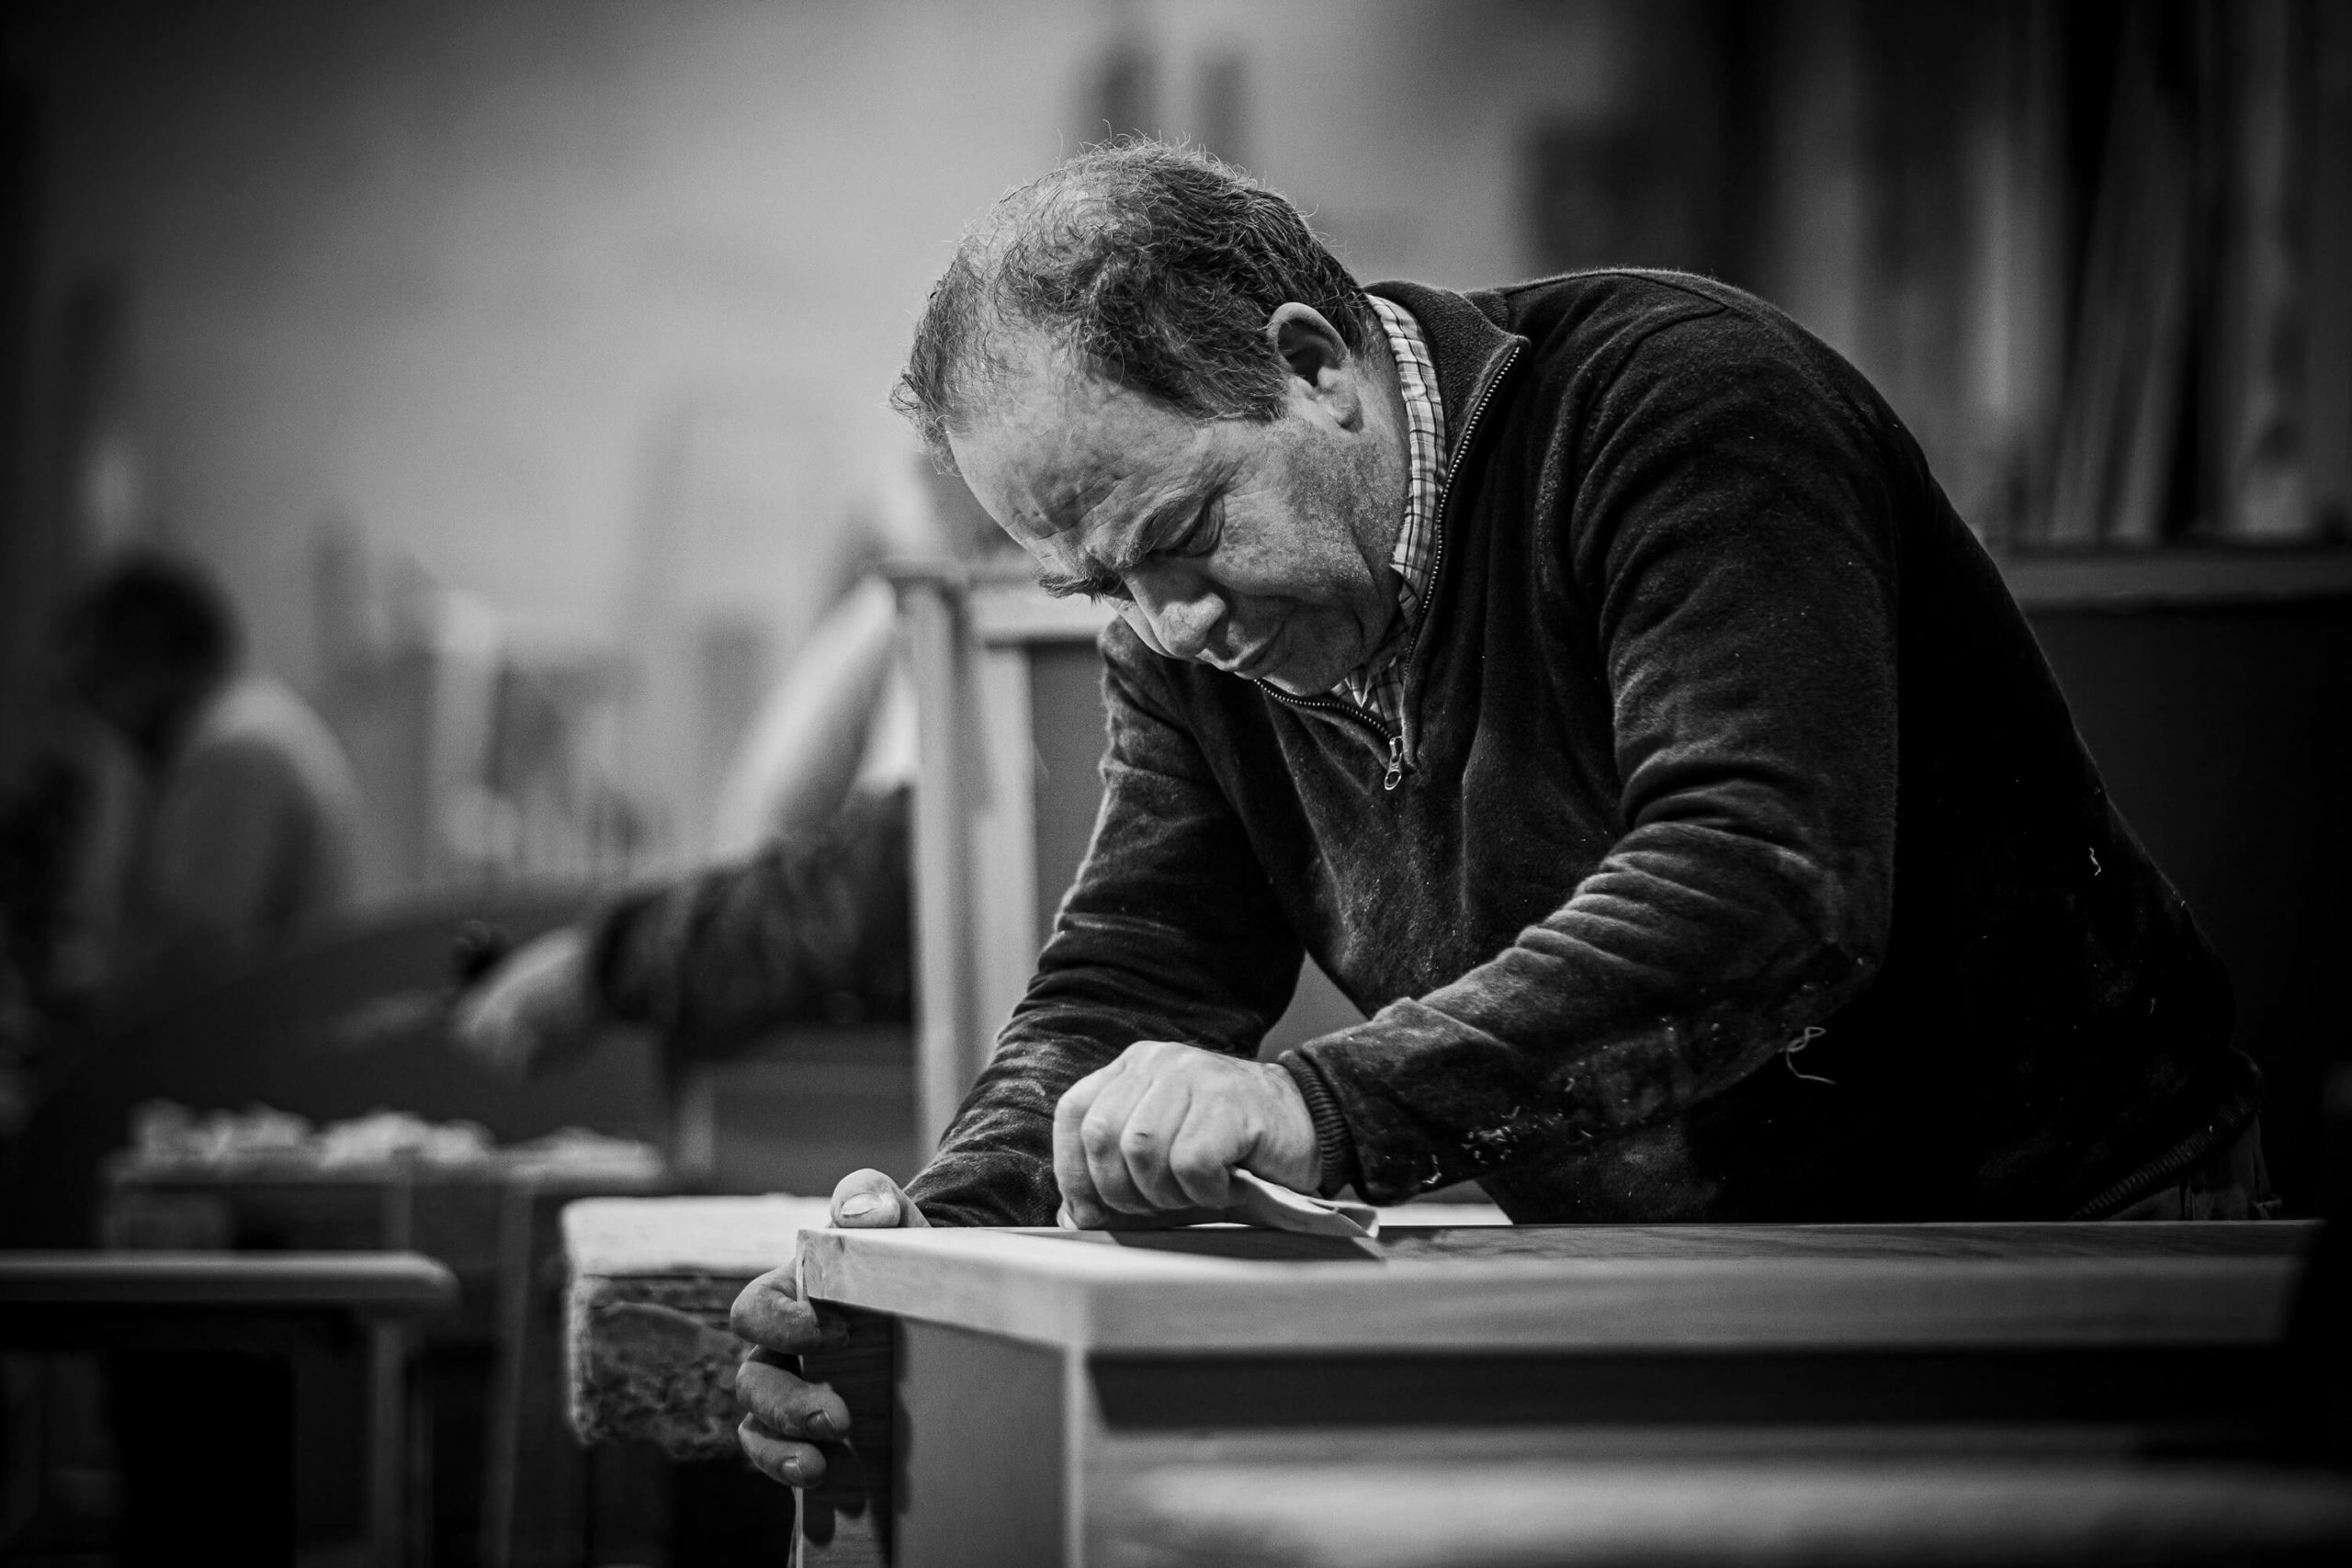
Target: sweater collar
x=1470, y=348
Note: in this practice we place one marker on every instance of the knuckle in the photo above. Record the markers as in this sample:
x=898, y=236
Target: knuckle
x=1099, y=1134
x=768, y=1393
x=761, y=1304
x=1194, y=1162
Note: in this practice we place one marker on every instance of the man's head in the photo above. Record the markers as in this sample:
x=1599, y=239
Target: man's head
x=1166, y=389
x=145, y=643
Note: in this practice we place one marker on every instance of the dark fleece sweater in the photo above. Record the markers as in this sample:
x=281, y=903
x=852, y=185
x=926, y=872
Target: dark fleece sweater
x=1747, y=866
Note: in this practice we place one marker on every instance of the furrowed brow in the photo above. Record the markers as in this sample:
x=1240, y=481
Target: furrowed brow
x=1093, y=585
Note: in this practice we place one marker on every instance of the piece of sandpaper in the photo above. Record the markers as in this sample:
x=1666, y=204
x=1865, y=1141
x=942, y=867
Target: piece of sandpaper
x=1261, y=1204
x=1257, y=1201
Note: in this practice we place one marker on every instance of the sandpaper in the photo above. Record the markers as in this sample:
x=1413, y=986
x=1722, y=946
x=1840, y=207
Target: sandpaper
x=1261, y=1203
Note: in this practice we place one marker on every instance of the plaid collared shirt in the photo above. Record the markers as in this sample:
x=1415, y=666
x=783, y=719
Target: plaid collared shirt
x=1378, y=688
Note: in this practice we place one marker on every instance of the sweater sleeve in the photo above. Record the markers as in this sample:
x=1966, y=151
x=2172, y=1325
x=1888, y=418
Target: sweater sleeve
x=1171, y=933
x=1719, y=525
x=814, y=929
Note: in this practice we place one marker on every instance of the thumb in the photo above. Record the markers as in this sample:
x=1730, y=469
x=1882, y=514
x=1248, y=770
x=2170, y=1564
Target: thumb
x=868, y=1200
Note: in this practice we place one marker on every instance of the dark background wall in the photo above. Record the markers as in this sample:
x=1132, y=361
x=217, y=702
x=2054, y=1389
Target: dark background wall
x=2225, y=732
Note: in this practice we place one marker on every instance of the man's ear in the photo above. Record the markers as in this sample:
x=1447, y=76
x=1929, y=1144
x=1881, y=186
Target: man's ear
x=1317, y=355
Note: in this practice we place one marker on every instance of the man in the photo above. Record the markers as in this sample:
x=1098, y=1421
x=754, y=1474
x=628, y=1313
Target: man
x=248, y=834
x=1591, y=675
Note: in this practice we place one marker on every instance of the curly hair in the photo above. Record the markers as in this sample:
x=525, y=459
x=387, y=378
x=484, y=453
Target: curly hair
x=1152, y=265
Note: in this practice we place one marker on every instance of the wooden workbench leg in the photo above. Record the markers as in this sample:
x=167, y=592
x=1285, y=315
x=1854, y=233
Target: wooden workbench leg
x=388, y=1455
x=845, y=1522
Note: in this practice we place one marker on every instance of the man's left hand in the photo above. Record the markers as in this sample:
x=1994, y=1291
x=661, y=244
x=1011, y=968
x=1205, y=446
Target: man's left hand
x=1164, y=1127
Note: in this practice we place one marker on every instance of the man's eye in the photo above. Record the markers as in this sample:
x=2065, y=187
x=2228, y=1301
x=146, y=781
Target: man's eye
x=1206, y=533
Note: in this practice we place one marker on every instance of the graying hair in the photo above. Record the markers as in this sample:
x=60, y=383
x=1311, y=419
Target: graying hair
x=1152, y=265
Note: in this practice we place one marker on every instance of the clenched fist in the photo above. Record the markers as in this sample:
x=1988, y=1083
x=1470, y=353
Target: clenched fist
x=1163, y=1129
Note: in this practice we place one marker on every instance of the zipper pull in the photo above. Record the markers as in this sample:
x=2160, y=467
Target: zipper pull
x=1388, y=781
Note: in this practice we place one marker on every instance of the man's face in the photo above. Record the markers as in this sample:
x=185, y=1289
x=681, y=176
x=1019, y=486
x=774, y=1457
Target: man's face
x=1257, y=549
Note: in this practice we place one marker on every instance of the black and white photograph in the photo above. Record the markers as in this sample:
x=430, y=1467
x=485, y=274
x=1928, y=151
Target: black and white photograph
x=1176, y=783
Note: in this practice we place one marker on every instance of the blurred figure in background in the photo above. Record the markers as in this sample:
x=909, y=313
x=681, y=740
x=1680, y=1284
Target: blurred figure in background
x=807, y=918
x=246, y=834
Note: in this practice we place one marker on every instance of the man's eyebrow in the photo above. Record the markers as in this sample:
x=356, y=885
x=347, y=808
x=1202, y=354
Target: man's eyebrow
x=1063, y=585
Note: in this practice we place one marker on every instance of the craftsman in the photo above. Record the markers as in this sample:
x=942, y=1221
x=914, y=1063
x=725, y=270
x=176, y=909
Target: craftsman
x=1591, y=677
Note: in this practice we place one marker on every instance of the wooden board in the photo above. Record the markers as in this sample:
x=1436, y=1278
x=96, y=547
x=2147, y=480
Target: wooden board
x=1578, y=1288
x=1554, y=1516
x=366, y=1284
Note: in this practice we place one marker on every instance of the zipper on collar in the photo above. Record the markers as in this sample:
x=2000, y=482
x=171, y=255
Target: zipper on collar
x=1369, y=723
x=1398, y=760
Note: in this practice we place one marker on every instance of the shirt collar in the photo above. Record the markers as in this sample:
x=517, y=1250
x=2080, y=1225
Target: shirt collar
x=1415, y=555
x=1425, y=472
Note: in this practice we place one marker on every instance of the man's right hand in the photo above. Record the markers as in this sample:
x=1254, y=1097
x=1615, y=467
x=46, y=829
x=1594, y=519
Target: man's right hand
x=537, y=1008
x=789, y=1416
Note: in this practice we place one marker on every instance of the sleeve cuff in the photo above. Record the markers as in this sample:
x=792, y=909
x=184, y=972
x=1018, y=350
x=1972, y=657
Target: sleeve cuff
x=1333, y=1143
x=618, y=985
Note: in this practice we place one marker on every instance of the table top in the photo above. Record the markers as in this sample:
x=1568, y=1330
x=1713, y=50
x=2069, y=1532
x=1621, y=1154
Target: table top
x=1579, y=1287
x=369, y=1283
x=734, y=1237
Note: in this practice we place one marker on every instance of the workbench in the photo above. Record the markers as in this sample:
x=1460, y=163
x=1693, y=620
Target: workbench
x=502, y=1484
x=1220, y=1396
x=1023, y=1397
x=207, y=1344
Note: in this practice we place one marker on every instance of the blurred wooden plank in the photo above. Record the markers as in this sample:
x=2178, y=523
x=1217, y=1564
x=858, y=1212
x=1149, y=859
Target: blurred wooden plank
x=1534, y=1516
x=2123, y=581
x=374, y=1284
x=732, y=1236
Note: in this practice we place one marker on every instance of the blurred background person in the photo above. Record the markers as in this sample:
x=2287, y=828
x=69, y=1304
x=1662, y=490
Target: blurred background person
x=804, y=918
x=243, y=837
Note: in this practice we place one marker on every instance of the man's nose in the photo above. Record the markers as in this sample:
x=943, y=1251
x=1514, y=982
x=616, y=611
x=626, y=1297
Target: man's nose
x=1183, y=607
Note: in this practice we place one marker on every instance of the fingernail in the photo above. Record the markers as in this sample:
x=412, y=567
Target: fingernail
x=863, y=1204
x=820, y=1426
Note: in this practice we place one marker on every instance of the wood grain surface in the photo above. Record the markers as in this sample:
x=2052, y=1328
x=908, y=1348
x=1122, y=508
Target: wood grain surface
x=1583, y=1288
x=1538, y=1515
x=733, y=1237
